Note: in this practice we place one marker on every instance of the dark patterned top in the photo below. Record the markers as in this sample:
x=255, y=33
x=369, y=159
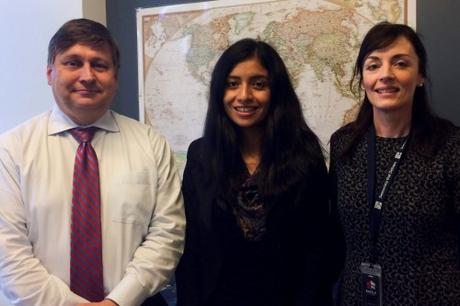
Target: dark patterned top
x=418, y=238
x=250, y=270
x=250, y=211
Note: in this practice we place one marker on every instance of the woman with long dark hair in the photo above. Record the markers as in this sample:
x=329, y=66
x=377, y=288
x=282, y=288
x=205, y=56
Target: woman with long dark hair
x=255, y=192
x=396, y=170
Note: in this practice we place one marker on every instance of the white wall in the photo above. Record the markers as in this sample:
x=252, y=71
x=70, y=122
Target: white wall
x=26, y=27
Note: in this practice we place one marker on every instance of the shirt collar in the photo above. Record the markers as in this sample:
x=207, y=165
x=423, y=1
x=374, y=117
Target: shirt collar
x=60, y=122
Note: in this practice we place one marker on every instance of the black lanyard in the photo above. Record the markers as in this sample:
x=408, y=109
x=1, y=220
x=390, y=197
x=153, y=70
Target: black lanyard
x=376, y=203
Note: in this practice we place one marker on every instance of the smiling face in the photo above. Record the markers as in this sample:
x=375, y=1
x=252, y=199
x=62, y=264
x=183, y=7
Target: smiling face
x=390, y=76
x=247, y=95
x=83, y=80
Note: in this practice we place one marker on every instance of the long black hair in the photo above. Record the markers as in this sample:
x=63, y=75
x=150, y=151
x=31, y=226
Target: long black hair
x=426, y=127
x=289, y=146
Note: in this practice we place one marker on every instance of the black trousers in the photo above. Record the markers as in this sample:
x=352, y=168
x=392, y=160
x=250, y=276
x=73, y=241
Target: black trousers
x=156, y=300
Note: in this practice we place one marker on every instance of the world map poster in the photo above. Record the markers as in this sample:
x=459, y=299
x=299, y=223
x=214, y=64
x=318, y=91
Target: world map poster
x=318, y=40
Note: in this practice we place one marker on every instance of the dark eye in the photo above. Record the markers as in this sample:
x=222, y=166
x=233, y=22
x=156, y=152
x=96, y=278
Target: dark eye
x=232, y=84
x=101, y=67
x=371, y=67
x=401, y=64
x=72, y=63
x=259, y=84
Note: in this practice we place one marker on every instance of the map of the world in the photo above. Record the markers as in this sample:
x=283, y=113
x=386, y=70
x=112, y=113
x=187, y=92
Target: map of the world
x=317, y=39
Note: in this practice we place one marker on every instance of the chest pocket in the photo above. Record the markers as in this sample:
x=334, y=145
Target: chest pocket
x=132, y=197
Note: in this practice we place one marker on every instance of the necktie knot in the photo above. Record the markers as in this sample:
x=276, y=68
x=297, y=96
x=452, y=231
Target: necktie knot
x=83, y=134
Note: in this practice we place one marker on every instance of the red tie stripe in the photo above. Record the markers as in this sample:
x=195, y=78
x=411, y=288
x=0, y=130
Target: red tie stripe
x=86, y=278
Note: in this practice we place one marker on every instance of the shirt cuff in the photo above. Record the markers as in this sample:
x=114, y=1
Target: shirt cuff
x=129, y=292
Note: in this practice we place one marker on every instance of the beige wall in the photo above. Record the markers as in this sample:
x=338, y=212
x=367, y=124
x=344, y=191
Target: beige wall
x=95, y=10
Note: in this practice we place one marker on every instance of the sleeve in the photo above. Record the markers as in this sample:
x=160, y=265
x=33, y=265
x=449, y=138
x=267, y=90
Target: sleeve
x=156, y=258
x=188, y=273
x=23, y=279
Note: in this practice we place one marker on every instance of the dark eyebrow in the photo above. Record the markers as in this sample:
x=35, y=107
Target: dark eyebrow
x=260, y=76
x=76, y=56
x=370, y=57
x=402, y=55
x=71, y=56
x=257, y=76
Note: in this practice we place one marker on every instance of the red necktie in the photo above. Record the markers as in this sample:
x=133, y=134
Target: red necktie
x=86, y=278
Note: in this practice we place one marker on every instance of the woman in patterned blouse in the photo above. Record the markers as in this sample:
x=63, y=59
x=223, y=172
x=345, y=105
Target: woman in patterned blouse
x=396, y=176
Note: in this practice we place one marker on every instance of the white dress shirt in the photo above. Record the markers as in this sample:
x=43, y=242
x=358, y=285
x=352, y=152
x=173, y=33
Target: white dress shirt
x=143, y=220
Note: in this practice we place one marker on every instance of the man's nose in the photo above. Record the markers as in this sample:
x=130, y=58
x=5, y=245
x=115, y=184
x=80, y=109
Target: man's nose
x=86, y=73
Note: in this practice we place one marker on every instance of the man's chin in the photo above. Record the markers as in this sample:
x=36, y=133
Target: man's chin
x=89, y=103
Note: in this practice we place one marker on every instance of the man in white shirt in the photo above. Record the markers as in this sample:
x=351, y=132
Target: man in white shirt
x=142, y=220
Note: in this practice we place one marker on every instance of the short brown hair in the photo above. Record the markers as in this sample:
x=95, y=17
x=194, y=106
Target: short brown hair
x=83, y=31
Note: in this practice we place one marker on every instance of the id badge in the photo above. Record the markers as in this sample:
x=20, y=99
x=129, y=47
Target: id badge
x=371, y=284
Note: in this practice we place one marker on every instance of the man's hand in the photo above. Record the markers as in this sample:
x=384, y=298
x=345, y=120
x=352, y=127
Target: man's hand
x=102, y=303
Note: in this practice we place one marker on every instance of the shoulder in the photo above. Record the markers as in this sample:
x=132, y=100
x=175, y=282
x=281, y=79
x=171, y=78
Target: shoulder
x=345, y=131
x=137, y=131
x=198, y=158
x=307, y=148
x=27, y=131
x=442, y=133
x=449, y=151
x=24, y=141
x=456, y=132
x=196, y=149
x=452, y=133
x=197, y=167
x=196, y=145
x=451, y=130
x=127, y=123
x=144, y=141
x=341, y=137
x=198, y=161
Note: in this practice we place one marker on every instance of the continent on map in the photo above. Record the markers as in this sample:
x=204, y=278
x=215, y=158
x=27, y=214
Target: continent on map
x=326, y=48
x=242, y=21
x=207, y=42
x=159, y=29
x=389, y=10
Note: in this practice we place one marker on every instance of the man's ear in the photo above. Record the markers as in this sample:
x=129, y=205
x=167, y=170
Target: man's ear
x=49, y=72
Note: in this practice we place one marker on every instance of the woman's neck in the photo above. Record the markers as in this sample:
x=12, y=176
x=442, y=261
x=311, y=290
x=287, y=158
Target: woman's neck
x=251, y=148
x=392, y=124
